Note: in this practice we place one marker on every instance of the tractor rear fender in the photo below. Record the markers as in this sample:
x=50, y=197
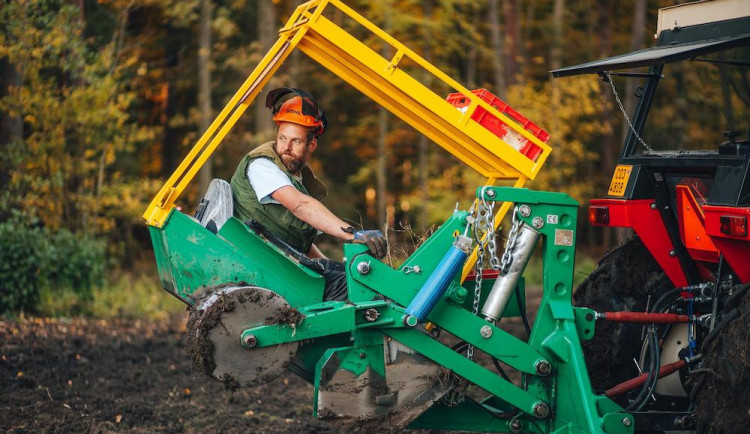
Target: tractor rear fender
x=642, y=216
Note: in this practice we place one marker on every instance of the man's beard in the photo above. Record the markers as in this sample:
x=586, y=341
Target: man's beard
x=292, y=164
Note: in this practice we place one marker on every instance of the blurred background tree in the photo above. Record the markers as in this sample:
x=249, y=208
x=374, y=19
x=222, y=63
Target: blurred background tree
x=100, y=100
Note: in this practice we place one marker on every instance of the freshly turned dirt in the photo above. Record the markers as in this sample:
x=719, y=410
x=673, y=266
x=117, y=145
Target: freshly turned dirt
x=101, y=376
x=132, y=375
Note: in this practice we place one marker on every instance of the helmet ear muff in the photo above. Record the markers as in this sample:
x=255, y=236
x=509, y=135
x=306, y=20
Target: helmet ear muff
x=323, y=123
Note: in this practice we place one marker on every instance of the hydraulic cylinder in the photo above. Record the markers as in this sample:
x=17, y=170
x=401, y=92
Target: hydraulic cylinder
x=440, y=279
x=506, y=283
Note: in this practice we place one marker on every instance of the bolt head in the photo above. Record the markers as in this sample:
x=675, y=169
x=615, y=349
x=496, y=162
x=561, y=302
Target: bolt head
x=250, y=341
x=486, y=331
x=363, y=268
x=525, y=211
x=537, y=222
x=515, y=425
x=371, y=315
x=626, y=422
x=541, y=410
x=490, y=193
x=653, y=205
x=672, y=253
x=543, y=367
x=410, y=320
x=417, y=269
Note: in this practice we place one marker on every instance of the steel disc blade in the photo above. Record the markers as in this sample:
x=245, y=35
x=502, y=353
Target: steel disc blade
x=214, y=329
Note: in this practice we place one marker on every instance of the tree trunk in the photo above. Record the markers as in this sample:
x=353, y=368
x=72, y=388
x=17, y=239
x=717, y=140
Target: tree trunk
x=381, y=174
x=204, y=88
x=266, y=37
x=510, y=41
x=471, y=57
x=423, y=220
x=530, y=15
x=555, y=55
x=498, y=60
x=11, y=124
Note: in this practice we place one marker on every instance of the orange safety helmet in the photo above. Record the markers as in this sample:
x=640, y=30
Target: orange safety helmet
x=302, y=109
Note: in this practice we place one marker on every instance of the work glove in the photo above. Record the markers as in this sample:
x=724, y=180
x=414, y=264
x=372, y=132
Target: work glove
x=373, y=239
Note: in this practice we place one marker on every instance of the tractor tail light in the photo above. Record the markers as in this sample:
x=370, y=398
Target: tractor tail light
x=733, y=225
x=599, y=215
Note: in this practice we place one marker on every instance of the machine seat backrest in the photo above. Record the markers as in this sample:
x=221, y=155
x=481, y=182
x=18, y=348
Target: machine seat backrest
x=216, y=206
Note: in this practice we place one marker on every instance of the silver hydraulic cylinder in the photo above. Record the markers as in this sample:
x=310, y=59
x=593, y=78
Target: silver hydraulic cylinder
x=506, y=283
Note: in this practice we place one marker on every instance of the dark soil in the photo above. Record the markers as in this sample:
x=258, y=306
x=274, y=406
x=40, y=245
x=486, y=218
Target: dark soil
x=131, y=375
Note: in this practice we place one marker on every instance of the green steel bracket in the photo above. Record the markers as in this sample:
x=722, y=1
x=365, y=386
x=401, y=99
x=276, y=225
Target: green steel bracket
x=325, y=319
x=458, y=363
x=524, y=195
x=474, y=416
x=401, y=288
x=585, y=322
x=559, y=328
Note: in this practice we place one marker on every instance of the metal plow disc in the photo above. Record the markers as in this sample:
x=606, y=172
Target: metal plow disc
x=214, y=330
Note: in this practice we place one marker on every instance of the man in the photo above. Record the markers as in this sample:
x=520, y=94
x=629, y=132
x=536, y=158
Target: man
x=274, y=186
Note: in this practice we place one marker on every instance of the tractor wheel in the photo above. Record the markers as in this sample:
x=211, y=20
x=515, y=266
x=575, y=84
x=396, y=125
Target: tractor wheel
x=622, y=281
x=721, y=389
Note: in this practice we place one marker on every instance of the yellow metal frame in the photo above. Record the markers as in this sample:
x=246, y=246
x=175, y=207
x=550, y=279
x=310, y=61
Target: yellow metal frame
x=382, y=80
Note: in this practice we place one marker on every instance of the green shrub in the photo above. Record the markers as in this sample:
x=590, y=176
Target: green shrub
x=23, y=263
x=35, y=259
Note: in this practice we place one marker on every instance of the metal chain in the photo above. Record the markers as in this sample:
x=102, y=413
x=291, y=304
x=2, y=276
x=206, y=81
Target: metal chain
x=484, y=224
x=507, y=259
x=624, y=113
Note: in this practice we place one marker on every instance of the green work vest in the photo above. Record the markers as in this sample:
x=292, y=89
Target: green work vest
x=275, y=217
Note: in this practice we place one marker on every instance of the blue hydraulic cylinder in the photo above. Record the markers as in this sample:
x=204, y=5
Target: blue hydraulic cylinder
x=438, y=282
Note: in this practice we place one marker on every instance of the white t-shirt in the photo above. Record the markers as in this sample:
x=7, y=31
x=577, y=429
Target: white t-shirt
x=265, y=177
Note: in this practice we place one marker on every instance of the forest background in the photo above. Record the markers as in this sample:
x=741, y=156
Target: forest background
x=100, y=101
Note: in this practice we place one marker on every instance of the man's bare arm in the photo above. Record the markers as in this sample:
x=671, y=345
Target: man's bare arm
x=311, y=211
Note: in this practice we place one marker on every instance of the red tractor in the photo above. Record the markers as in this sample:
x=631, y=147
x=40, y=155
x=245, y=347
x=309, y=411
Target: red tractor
x=685, y=192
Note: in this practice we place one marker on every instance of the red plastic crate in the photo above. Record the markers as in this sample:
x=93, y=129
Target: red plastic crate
x=498, y=127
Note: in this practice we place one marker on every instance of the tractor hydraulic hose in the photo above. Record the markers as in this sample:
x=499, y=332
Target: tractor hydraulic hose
x=638, y=381
x=654, y=359
x=665, y=370
x=643, y=317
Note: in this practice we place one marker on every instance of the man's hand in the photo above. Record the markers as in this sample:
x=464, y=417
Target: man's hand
x=373, y=239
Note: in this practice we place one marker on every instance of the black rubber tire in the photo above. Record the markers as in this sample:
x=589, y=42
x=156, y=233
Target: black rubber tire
x=721, y=390
x=622, y=281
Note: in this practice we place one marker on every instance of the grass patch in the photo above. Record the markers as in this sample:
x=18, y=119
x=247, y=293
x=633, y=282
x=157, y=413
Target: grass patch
x=126, y=294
